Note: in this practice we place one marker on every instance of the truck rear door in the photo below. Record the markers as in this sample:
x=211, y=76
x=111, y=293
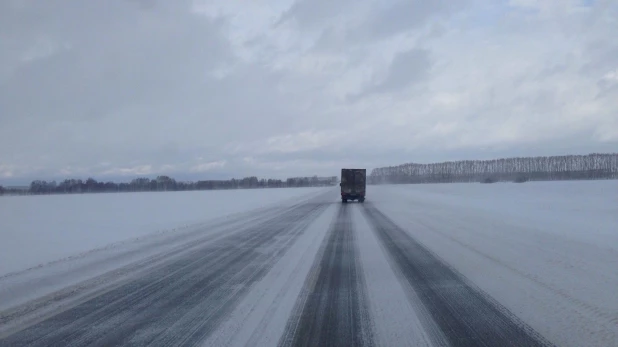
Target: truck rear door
x=347, y=181
x=359, y=181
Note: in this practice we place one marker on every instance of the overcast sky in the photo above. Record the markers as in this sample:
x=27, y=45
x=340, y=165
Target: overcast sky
x=280, y=88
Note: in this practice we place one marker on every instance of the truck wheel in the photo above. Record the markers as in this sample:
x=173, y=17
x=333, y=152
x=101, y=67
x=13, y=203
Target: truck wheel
x=361, y=200
x=344, y=201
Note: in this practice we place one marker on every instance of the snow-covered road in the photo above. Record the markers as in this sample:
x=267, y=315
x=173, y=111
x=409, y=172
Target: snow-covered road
x=412, y=266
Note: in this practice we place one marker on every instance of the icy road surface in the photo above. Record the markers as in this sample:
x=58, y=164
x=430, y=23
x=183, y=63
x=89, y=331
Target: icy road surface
x=459, y=265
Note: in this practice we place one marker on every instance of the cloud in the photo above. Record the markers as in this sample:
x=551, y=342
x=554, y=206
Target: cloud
x=206, y=88
x=205, y=167
x=140, y=170
x=397, y=17
x=407, y=68
x=310, y=13
x=107, y=68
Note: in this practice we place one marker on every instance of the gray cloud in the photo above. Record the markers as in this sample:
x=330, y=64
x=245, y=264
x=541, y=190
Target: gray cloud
x=602, y=57
x=392, y=18
x=210, y=88
x=309, y=13
x=144, y=57
x=407, y=68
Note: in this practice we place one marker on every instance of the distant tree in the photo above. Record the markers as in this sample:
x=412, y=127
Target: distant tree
x=39, y=187
x=521, y=179
x=152, y=186
x=314, y=181
x=165, y=183
x=591, y=166
x=80, y=186
x=140, y=184
x=91, y=185
x=110, y=187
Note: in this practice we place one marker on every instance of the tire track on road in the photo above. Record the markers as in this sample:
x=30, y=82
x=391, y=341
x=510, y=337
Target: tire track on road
x=466, y=315
x=27, y=313
x=334, y=309
x=41, y=308
x=182, y=300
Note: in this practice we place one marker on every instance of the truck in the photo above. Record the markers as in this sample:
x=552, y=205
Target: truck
x=353, y=184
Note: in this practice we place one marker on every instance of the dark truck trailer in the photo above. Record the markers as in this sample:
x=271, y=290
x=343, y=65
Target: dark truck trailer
x=353, y=184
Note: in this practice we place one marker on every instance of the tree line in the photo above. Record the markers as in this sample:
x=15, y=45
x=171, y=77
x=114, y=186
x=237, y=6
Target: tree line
x=163, y=183
x=520, y=169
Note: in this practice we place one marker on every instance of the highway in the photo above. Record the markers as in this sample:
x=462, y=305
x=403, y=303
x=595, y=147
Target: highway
x=312, y=273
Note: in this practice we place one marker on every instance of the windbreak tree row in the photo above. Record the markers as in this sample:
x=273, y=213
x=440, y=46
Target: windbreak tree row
x=164, y=183
x=568, y=167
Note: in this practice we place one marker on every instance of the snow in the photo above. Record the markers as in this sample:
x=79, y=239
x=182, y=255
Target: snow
x=395, y=320
x=548, y=251
x=260, y=319
x=563, y=208
x=138, y=255
x=35, y=230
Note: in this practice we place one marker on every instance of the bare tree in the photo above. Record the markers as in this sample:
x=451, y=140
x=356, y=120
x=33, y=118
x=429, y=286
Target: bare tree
x=570, y=167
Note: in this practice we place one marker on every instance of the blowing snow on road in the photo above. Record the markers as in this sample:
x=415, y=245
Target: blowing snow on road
x=412, y=266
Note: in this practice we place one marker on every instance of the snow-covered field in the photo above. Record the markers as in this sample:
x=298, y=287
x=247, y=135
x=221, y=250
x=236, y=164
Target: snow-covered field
x=444, y=264
x=546, y=250
x=582, y=210
x=35, y=230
